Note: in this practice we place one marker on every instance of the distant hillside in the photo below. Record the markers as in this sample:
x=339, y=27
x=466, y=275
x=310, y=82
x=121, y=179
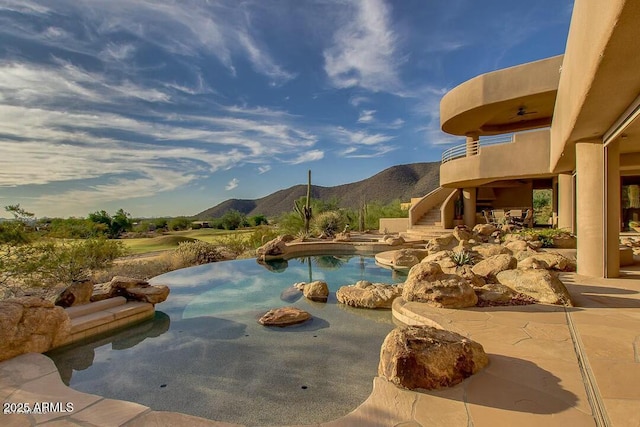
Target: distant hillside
x=397, y=182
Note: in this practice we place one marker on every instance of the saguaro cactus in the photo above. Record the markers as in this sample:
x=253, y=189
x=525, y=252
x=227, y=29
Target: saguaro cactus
x=305, y=211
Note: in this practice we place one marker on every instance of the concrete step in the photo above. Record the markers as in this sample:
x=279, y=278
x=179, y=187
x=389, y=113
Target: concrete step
x=98, y=319
x=93, y=307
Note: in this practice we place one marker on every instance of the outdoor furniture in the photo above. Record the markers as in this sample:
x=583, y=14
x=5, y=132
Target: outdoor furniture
x=499, y=216
x=515, y=216
x=527, y=221
x=487, y=216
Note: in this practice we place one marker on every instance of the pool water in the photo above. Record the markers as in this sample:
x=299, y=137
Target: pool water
x=204, y=353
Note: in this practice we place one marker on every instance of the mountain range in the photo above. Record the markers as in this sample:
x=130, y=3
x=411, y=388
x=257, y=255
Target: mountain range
x=397, y=182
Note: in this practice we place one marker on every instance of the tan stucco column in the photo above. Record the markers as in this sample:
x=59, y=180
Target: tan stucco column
x=472, y=144
x=597, y=206
x=469, y=206
x=565, y=202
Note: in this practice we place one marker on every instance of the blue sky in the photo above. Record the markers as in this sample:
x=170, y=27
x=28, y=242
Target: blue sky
x=170, y=107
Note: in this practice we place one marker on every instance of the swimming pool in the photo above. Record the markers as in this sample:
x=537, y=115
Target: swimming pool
x=204, y=353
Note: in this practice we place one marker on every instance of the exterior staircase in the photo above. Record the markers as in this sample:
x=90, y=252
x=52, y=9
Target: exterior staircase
x=427, y=227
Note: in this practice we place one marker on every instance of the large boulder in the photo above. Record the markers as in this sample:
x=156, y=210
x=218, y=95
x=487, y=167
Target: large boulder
x=493, y=265
x=549, y=261
x=130, y=288
x=395, y=240
x=407, y=257
x=542, y=285
x=284, y=316
x=31, y=324
x=365, y=294
x=495, y=294
x=485, y=229
x=461, y=233
x=429, y=358
x=426, y=282
x=441, y=243
x=275, y=247
x=316, y=291
x=152, y=294
x=77, y=293
x=487, y=250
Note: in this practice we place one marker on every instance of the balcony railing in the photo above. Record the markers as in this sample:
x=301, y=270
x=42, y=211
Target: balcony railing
x=473, y=149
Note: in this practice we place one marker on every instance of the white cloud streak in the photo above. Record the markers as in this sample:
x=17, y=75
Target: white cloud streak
x=364, y=50
x=366, y=116
x=232, y=184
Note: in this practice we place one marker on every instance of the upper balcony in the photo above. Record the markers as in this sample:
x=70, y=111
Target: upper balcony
x=509, y=100
x=522, y=155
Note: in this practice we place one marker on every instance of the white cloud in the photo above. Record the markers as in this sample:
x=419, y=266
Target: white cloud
x=232, y=184
x=356, y=101
x=361, y=137
x=364, y=50
x=305, y=157
x=366, y=116
x=264, y=169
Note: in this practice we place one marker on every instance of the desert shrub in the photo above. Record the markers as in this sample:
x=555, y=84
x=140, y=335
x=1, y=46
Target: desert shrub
x=257, y=220
x=236, y=243
x=462, y=258
x=197, y=252
x=233, y=219
x=260, y=236
x=290, y=223
x=47, y=263
x=328, y=223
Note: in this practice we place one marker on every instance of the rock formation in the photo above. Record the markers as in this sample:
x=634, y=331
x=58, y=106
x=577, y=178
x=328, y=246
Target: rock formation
x=365, y=294
x=429, y=358
x=130, y=288
x=31, y=324
x=316, y=291
x=284, y=316
x=427, y=283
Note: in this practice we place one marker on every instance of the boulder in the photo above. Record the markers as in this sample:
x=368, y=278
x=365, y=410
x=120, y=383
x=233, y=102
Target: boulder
x=365, y=294
x=516, y=246
x=461, y=233
x=77, y=293
x=549, y=261
x=487, y=250
x=441, y=243
x=122, y=282
x=316, y=291
x=284, y=316
x=428, y=358
x=542, y=285
x=494, y=294
x=31, y=324
x=493, y=265
x=407, y=257
x=152, y=294
x=275, y=247
x=426, y=282
x=485, y=229
x=395, y=241
x=102, y=291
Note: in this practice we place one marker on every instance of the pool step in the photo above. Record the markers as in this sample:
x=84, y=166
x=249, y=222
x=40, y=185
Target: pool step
x=102, y=316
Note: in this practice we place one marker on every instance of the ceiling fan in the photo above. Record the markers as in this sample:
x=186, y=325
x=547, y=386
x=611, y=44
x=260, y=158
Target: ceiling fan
x=522, y=111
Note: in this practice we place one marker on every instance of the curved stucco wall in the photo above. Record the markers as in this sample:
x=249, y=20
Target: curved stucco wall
x=599, y=78
x=526, y=156
x=489, y=100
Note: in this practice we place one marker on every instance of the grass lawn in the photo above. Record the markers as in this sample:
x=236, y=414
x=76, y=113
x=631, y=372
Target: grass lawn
x=171, y=240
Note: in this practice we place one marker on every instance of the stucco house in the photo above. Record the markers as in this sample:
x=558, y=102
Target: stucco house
x=567, y=123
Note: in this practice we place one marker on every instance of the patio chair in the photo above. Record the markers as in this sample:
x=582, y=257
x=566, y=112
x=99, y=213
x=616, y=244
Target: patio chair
x=487, y=216
x=499, y=216
x=515, y=216
x=527, y=221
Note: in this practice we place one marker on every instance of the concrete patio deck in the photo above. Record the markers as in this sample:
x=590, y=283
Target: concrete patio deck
x=549, y=365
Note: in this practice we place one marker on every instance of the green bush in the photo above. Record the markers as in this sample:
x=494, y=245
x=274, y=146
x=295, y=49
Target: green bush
x=546, y=236
x=47, y=263
x=261, y=235
x=328, y=223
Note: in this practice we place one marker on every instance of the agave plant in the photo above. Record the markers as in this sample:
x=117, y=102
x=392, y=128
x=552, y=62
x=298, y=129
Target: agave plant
x=462, y=258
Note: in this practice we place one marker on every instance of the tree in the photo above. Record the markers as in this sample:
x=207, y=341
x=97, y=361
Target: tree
x=233, y=220
x=115, y=225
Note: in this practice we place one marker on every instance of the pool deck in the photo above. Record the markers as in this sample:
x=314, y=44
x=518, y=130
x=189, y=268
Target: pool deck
x=549, y=365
